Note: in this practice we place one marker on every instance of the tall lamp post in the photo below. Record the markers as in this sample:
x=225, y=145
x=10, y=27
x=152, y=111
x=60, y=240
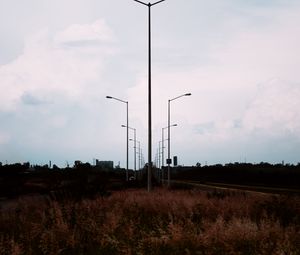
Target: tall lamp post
x=169, y=160
x=149, y=5
x=125, y=102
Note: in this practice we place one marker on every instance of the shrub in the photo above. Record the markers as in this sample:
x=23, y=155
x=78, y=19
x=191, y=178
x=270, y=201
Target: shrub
x=160, y=222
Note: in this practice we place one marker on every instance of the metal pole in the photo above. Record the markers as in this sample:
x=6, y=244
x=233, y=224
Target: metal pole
x=142, y=158
x=169, y=159
x=159, y=155
x=127, y=146
x=159, y=162
x=149, y=107
x=162, y=155
x=139, y=155
x=162, y=145
x=134, y=146
x=169, y=101
x=127, y=153
x=139, y=172
x=149, y=184
x=135, y=153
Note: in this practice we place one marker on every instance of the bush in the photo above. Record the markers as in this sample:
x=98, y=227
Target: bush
x=160, y=222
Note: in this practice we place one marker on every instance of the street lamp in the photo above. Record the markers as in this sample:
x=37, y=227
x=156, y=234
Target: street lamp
x=159, y=162
x=140, y=156
x=159, y=154
x=149, y=5
x=162, y=151
x=169, y=160
x=139, y=152
x=163, y=140
x=134, y=130
x=126, y=102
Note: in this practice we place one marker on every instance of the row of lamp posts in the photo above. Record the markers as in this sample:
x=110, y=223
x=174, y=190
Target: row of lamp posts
x=127, y=139
x=168, y=161
x=149, y=184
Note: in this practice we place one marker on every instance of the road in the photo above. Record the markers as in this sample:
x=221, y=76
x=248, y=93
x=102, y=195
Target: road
x=212, y=186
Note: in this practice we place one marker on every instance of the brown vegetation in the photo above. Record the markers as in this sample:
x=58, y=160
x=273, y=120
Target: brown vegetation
x=160, y=222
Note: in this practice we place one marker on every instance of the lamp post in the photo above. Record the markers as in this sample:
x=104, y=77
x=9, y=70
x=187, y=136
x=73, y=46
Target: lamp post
x=162, y=150
x=140, y=158
x=125, y=102
x=159, y=154
x=159, y=161
x=134, y=130
x=169, y=116
x=138, y=152
x=149, y=5
x=163, y=140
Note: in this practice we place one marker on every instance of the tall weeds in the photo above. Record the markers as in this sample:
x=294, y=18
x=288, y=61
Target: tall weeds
x=160, y=222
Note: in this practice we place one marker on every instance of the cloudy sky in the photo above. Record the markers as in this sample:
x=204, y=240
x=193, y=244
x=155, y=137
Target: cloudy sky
x=240, y=60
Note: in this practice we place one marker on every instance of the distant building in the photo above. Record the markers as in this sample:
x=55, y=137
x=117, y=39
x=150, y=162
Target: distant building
x=77, y=163
x=105, y=164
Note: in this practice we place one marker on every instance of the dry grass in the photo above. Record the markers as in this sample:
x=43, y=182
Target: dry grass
x=160, y=222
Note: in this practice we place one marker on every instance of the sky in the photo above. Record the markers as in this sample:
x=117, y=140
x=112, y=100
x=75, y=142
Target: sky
x=59, y=60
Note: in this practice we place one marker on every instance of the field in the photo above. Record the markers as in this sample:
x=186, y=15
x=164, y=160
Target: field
x=161, y=222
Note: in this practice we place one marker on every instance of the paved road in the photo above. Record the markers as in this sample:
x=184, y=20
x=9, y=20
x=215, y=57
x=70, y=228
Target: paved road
x=211, y=186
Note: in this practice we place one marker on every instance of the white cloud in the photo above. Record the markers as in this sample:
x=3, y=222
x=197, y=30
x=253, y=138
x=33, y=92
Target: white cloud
x=48, y=67
x=50, y=96
x=97, y=32
x=275, y=110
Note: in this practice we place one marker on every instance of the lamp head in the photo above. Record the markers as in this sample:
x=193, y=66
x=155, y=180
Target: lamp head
x=188, y=94
x=174, y=125
x=109, y=97
x=123, y=126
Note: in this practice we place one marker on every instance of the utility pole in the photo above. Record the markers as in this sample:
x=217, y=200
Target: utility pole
x=149, y=176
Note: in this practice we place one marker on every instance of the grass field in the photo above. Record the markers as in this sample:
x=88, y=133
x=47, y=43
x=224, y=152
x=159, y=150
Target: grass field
x=160, y=222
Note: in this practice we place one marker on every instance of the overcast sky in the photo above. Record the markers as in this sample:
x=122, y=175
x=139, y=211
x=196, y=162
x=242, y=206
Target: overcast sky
x=240, y=60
